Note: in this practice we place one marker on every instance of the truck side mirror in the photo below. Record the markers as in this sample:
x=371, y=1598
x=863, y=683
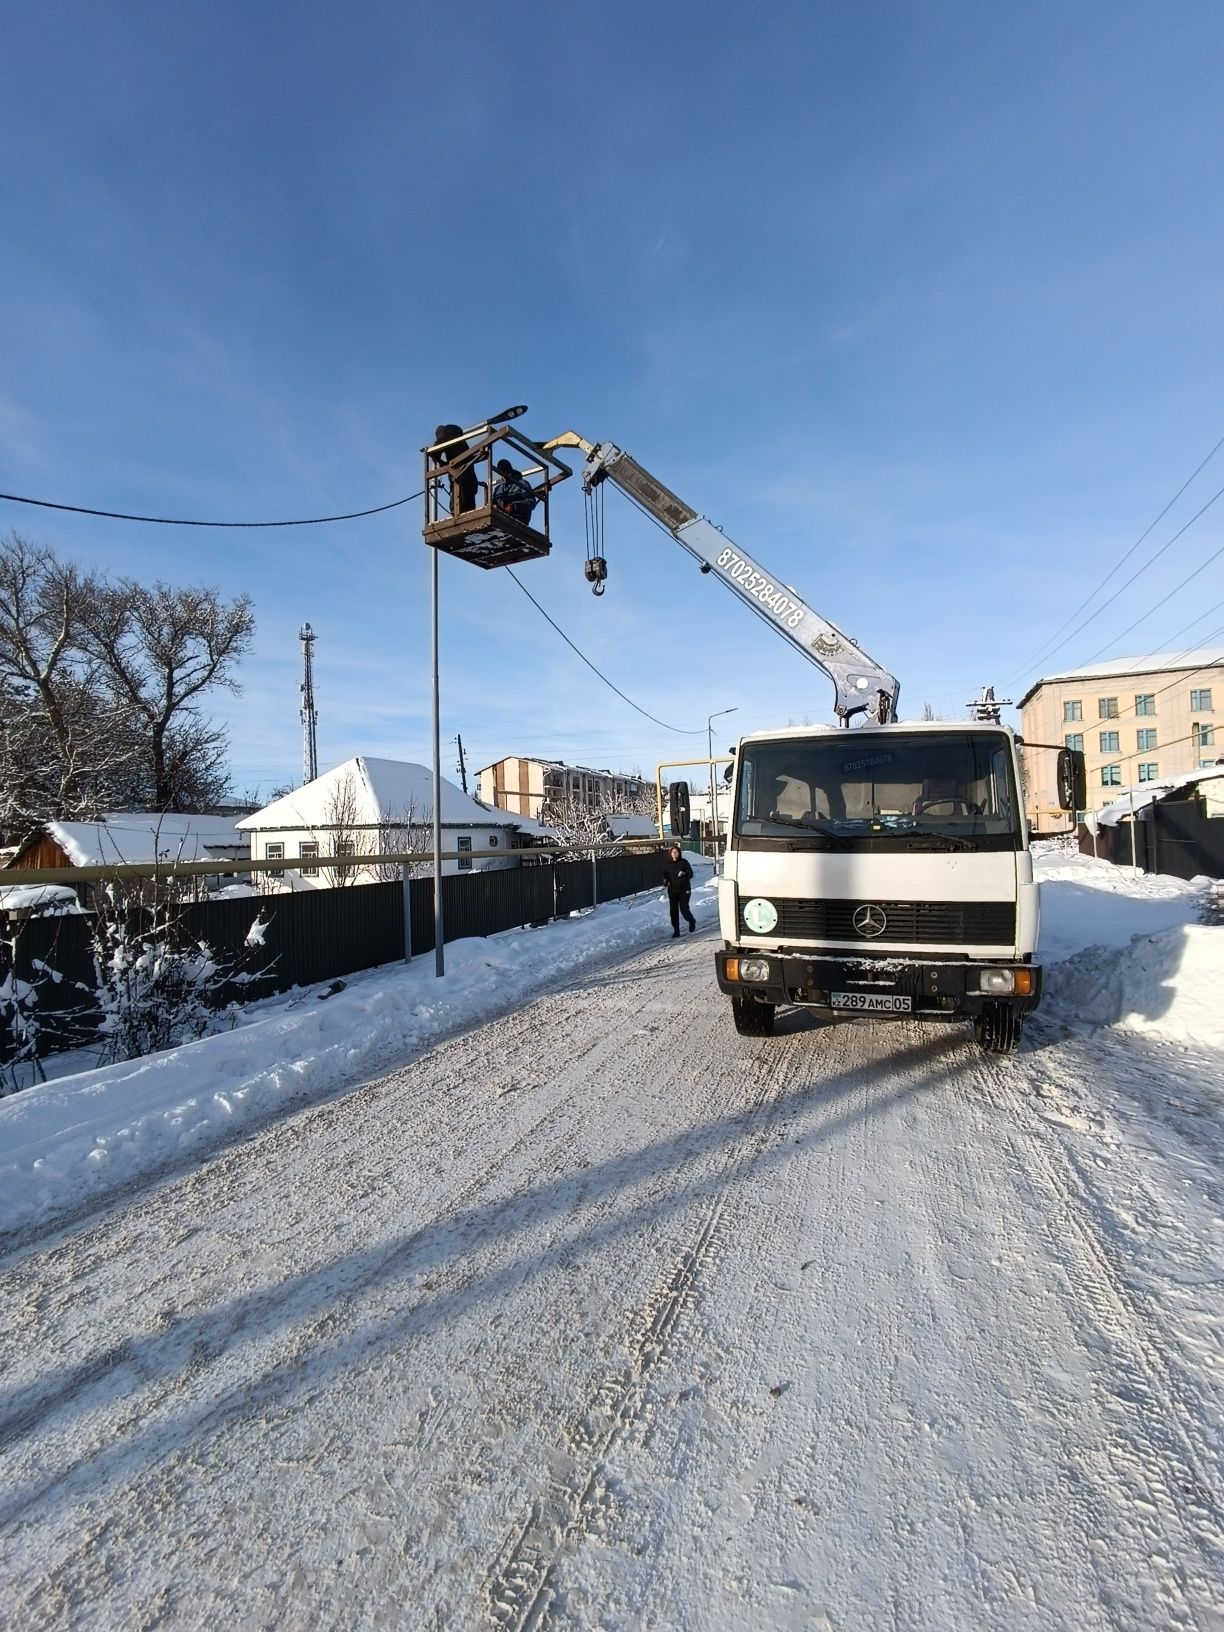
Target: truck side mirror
x=678, y=808
x=1072, y=779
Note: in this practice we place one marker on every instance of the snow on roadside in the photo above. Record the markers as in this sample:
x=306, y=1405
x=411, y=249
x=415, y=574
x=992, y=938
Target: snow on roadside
x=1149, y=965
x=1129, y=949
x=79, y=1136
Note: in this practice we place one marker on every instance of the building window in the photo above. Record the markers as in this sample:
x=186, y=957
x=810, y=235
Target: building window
x=1146, y=739
x=1111, y=776
x=1075, y=741
x=1107, y=708
x=274, y=851
x=1146, y=703
x=308, y=850
x=343, y=847
x=1202, y=735
x=1111, y=742
x=465, y=861
x=1073, y=711
x=1148, y=773
x=1200, y=702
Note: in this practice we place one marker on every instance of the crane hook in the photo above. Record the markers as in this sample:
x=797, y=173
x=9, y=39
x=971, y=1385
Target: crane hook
x=596, y=570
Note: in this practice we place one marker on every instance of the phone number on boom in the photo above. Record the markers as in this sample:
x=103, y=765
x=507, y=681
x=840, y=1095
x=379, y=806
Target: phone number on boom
x=760, y=588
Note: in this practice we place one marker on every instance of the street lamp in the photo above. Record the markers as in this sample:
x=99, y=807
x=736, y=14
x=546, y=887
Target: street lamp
x=710, y=755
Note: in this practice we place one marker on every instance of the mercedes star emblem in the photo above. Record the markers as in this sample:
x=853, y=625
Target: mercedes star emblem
x=870, y=921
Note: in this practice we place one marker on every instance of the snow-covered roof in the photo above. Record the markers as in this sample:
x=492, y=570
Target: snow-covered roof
x=1139, y=798
x=389, y=791
x=632, y=827
x=138, y=836
x=53, y=899
x=534, y=829
x=1114, y=668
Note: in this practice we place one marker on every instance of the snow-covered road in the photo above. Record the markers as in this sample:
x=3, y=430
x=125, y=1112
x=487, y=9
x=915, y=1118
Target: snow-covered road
x=601, y=1316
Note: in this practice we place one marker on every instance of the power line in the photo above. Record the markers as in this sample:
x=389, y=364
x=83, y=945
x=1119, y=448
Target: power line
x=1185, y=673
x=173, y=521
x=1042, y=650
x=1143, y=619
x=1150, y=562
x=679, y=729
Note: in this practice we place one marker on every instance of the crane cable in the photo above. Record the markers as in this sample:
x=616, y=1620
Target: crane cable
x=596, y=567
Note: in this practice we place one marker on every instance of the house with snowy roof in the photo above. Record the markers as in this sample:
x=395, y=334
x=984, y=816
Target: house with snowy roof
x=368, y=807
x=134, y=837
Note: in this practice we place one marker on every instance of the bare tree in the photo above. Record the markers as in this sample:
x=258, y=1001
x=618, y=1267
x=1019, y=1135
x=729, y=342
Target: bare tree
x=61, y=745
x=579, y=824
x=159, y=649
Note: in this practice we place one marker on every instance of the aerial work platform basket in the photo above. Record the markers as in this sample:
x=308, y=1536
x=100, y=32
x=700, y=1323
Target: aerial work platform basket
x=475, y=507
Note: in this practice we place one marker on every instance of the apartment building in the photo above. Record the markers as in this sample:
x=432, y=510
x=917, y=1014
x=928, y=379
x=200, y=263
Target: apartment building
x=522, y=786
x=1136, y=719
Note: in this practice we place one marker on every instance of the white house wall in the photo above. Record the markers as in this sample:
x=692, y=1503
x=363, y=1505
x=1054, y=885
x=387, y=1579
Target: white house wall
x=291, y=841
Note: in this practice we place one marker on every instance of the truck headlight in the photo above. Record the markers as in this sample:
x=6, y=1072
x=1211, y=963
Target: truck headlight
x=754, y=969
x=996, y=980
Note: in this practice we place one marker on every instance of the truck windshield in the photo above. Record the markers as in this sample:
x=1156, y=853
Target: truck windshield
x=918, y=791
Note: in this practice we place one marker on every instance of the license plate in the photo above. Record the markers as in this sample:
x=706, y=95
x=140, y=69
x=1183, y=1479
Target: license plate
x=880, y=1002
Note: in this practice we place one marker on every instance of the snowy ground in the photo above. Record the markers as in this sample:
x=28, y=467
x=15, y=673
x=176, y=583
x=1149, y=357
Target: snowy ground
x=599, y=1315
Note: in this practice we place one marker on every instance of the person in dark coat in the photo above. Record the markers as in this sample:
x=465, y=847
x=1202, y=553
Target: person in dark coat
x=463, y=483
x=678, y=876
x=513, y=492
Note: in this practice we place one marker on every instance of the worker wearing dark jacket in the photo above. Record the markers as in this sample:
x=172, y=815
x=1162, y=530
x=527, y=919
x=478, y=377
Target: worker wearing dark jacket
x=678, y=876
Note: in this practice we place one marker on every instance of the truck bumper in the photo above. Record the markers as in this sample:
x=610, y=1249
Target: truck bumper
x=936, y=989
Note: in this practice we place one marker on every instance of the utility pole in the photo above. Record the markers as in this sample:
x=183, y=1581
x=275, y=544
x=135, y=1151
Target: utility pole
x=462, y=765
x=985, y=709
x=310, y=715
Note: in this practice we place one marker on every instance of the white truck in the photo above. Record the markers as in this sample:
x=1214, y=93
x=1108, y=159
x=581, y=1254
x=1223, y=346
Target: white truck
x=879, y=871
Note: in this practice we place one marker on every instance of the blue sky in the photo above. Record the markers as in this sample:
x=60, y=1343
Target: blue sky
x=920, y=303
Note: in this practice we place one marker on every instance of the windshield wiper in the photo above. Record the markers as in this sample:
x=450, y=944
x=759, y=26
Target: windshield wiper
x=809, y=825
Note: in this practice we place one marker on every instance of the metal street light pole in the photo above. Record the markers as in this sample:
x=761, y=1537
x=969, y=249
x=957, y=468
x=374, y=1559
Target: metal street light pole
x=710, y=754
x=439, y=931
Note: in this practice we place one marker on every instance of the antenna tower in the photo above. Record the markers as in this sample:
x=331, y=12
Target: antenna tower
x=310, y=714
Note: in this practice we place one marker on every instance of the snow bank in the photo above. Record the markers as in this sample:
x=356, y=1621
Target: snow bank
x=1128, y=949
x=65, y=1140
x=1167, y=985
x=1086, y=902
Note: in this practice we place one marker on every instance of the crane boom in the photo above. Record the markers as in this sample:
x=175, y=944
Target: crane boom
x=862, y=686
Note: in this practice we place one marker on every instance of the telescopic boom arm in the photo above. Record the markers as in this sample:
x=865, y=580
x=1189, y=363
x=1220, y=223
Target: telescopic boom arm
x=862, y=685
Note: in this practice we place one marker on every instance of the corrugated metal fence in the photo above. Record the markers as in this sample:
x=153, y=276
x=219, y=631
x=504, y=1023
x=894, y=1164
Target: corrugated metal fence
x=307, y=937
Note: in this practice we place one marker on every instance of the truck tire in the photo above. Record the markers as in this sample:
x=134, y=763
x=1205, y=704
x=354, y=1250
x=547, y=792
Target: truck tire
x=752, y=1019
x=997, y=1029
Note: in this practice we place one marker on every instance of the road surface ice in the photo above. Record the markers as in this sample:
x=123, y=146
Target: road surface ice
x=598, y=1315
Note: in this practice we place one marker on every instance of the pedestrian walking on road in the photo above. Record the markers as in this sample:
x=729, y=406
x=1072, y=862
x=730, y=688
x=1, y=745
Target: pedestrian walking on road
x=678, y=876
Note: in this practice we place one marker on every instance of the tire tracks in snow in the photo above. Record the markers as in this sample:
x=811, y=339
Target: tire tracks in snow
x=520, y=1593
x=1156, y=1459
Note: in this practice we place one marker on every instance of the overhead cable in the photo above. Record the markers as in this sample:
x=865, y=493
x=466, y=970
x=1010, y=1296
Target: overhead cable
x=176, y=521
x=1117, y=567
x=1045, y=657
x=679, y=729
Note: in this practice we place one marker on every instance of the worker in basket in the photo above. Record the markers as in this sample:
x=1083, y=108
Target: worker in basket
x=512, y=492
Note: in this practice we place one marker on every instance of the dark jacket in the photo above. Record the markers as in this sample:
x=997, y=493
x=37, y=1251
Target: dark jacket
x=512, y=493
x=677, y=875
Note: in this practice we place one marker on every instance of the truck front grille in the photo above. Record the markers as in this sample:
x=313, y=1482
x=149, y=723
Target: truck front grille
x=918, y=923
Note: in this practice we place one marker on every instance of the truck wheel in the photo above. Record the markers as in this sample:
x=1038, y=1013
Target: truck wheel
x=752, y=1019
x=997, y=1029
